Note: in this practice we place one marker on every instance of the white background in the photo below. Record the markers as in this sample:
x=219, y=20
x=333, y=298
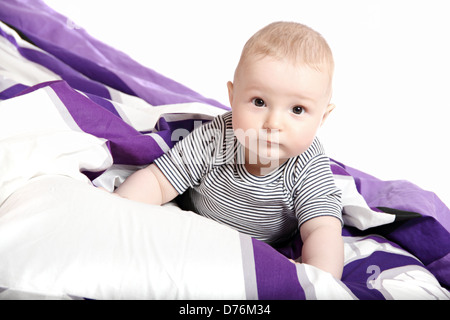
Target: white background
x=392, y=59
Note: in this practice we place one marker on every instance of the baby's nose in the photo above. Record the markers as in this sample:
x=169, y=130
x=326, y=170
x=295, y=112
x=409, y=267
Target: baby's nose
x=273, y=121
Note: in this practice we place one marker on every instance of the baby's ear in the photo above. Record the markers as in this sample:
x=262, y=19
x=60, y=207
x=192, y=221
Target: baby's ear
x=328, y=110
x=230, y=92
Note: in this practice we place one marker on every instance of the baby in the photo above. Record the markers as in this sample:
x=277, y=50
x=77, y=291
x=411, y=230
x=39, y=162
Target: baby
x=260, y=168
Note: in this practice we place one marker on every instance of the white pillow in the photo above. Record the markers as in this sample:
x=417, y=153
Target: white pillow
x=60, y=237
x=38, y=138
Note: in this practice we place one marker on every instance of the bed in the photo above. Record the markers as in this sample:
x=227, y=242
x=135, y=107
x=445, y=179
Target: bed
x=76, y=114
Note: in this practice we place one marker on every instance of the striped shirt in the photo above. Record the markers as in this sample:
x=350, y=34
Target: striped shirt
x=209, y=165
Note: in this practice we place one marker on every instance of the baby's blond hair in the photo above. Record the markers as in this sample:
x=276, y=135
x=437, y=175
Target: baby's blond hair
x=293, y=41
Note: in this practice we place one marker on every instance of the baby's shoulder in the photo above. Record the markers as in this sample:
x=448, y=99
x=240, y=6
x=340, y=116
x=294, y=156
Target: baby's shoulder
x=223, y=120
x=310, y=156
x=299, y=167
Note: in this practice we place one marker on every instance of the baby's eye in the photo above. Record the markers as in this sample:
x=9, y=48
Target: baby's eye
x=258, y=102
x=298, y=110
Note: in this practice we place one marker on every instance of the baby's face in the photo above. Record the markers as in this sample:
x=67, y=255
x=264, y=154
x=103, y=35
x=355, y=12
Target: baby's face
x=278, y=108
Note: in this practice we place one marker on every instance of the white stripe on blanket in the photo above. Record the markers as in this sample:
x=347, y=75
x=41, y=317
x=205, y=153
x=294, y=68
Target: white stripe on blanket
x=38, y=137
x=355, y=211
x=17, y=68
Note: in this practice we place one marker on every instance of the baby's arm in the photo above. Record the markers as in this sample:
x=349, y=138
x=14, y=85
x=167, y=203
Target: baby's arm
x=147, y=185
x=323, y=246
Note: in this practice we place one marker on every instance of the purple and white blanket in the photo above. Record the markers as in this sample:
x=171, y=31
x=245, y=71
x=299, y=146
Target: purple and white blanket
x=76, y=113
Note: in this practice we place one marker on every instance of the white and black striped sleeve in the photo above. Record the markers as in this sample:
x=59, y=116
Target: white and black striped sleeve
x=185, y=164
x=316, y=194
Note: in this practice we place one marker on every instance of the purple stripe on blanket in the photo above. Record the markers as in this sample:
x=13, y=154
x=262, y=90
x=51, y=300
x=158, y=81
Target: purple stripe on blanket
x=178, y=129
x=53, y=33
x=105, y=103
x=399, y=194
x=427, y=234
x=127, y=145
x=12, y=91
x=426, y=237
x=440, y=269
x=276, y=276
x=8, y=37
x=423, y=237
x=338, y=168
x=357, y=273
x=74, y=78
x=36, y=87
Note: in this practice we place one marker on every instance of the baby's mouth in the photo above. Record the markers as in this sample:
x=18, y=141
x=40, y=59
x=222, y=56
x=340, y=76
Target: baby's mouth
x=268, y=147
x=270, y=144
x=269, y=141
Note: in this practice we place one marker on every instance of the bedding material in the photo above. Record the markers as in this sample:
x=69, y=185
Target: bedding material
x=76, y=114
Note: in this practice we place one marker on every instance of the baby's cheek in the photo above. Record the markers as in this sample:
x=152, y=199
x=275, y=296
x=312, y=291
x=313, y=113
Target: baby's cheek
x=301, y=144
